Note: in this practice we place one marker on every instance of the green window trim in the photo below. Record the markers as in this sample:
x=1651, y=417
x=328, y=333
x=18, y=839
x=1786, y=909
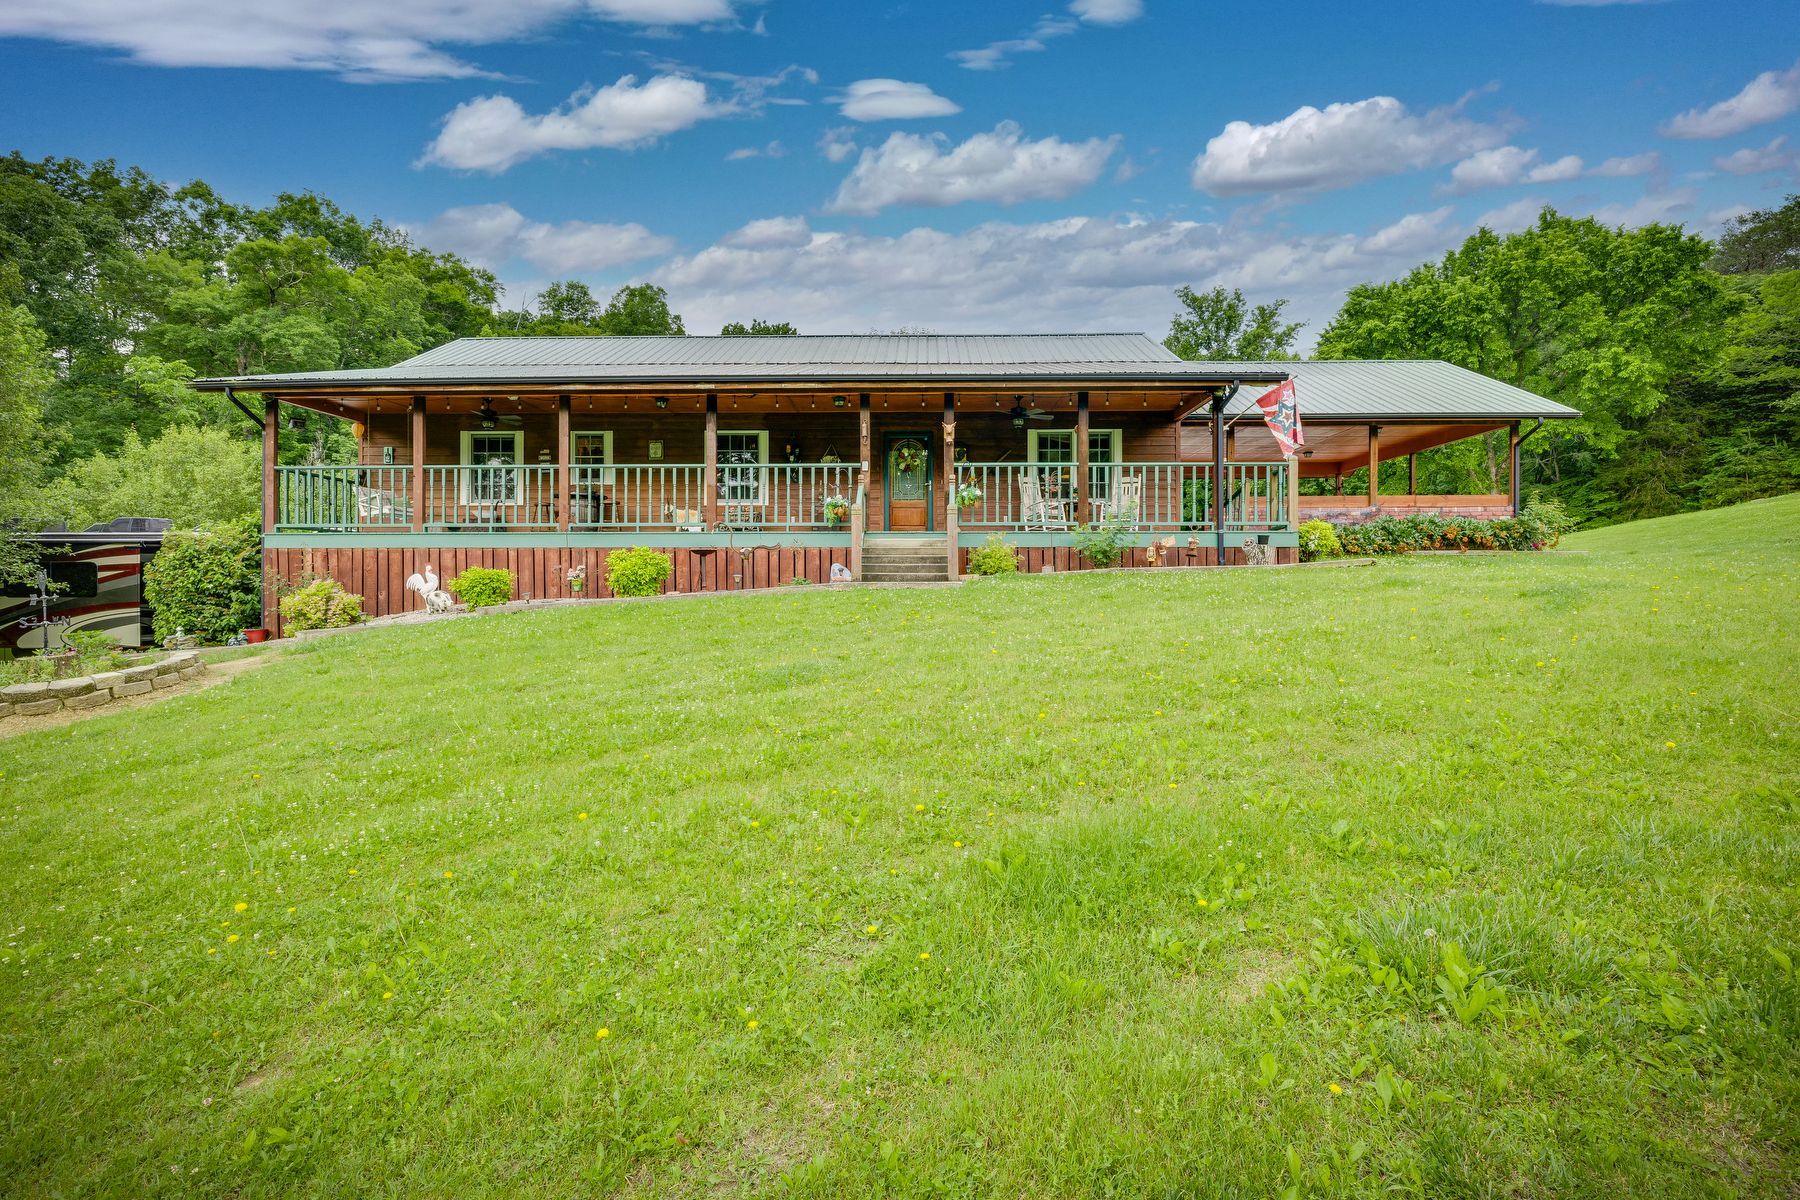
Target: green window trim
x=465, y=478
x=1115, y=442
x=737, y=487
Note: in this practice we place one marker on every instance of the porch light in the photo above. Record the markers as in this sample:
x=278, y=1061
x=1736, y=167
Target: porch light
x=838, y=402
x=662, y=402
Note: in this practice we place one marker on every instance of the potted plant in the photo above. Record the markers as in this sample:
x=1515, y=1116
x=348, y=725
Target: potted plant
x=836, y=509
x=578, y=579
x=253, y=636
x=967, y=495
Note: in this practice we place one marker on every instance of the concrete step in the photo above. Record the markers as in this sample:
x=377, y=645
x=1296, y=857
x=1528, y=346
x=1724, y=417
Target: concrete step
x=939, y=557
x=904, y=576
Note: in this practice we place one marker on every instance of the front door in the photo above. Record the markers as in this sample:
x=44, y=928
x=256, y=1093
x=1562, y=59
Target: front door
x=907, y=481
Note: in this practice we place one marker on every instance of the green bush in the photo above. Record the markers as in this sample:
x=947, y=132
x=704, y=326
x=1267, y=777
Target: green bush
x=639, y=571
x=321, y=604
x=1318, y=540
x=482, y=587
x=1103, y=545
x=1539, y=526
x=994, y=557
x=207, y=582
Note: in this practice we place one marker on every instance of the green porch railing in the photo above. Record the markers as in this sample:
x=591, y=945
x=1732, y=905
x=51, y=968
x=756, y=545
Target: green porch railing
x=784, y=496
x=1171, y=497
x=338, y=499
x=490, y=497
x=638, y=496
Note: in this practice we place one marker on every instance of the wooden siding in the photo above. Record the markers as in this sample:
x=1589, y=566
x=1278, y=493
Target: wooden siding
x=378, y=573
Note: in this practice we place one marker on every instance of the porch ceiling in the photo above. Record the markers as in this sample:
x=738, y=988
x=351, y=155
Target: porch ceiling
x=1333, y=449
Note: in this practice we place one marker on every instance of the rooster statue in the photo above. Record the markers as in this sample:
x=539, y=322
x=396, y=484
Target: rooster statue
x=436, y=600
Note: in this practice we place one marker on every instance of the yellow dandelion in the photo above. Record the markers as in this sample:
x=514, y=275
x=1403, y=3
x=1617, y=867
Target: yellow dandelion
x=871, y=929
x=1200, y=901
x=581, y=816
x=752, y=1023
x=231, y=937
x=924, y=956
x=918, y=808
x=449, y=874
x=755, y=824
x=212, y=949
x=271, y=954
x=290, y=908
x=387, y=995
x=1336, y=1089
x=240, y=906
x=1669, y=745
x=602, y=1033
x=958, y=845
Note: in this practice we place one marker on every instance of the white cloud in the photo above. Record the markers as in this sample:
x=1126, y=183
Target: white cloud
x=361, y=39
x=1759, y=160
x=492, y=133
x=1656, y=206
x=1498, y=167
x=1312, y=149
x=892, y=100
x=1108, y=12
x=1002, y=167
x=491, y=235
x=838, y=144
x=1630, y=165
x=771, y=150
x=1510, y=218
x=994, y=55
x=1770, y=96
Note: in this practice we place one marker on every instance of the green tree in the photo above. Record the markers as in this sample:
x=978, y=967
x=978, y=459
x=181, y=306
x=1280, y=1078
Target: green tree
x=193, y=476
x=1609, y=321
x=759, y=327
x=640, y=308
x=1221, y=325
x=25, y=444
x=568, y=302
x=1761, y=241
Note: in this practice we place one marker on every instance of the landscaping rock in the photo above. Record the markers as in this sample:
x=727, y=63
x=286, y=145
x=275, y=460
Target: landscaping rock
x=89, y=700
x=64, y=689
x=192, y=669
x=20, y=692
x=131, y=687
x=166, y=681
x=105, y=680
x=36, y=708
x=134, y=674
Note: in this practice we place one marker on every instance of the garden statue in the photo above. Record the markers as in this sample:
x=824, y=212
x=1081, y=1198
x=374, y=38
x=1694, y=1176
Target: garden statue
x=841, y=574
x=436, y=600
x=1258, y=555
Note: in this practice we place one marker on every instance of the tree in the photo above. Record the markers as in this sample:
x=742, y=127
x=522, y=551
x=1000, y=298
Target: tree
x=640, y=308
x=568, y=302
x=25, y=443
x=1609, y=321
x=191, y=476
x=1221, y=325
x=1761, y=241
x=758, y=327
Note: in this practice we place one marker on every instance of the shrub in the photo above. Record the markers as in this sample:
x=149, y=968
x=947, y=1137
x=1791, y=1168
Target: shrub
x=994, y=557
x=94, y=651
x=1318, y=540
x=207, y=582
x=482, y=587
x=321, y=604
x=1534, y=529
x=1103, y=545
x=639, y=571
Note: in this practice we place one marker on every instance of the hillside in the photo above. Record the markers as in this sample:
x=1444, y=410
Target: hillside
x=1451, y=875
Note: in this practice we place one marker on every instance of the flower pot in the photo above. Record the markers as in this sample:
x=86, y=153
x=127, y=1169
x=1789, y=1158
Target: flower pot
x=253, y=636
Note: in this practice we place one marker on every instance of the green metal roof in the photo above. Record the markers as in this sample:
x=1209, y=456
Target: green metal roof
x=1396, y=390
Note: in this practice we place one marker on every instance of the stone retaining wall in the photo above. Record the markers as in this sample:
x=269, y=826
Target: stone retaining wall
x=93, y=691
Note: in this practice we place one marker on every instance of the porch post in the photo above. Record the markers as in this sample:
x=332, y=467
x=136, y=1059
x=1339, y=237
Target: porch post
x=953, y=567
x=1221, y=398
x=1412, y=474
x=1512, y=466
x=271, y=432
x=1337, y=481
x=1374, y=466
x=1081, y=457
x=1293, y=491
x=862, y=425
x=709, y=479
x=563, y=483
x=416, y=436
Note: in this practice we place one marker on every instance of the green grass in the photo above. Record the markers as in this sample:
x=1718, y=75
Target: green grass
x=1577, y=773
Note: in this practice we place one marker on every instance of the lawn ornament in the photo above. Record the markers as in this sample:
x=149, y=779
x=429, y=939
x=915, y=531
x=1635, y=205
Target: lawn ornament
x=436, y=600
x=840, y=573
x=1258, y=555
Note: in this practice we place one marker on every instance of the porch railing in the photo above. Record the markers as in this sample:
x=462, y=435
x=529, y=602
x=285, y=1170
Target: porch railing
x=1024, y=496
x=1159, y=497
x=343, y=498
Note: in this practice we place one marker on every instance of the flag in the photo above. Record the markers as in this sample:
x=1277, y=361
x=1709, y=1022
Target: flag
x=1281, y=413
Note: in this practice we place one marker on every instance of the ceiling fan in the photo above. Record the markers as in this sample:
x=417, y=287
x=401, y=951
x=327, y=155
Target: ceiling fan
x=1021, y=414
x=489, y=418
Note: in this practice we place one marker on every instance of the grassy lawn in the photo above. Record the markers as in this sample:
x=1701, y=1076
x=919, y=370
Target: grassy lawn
x=1448, y=876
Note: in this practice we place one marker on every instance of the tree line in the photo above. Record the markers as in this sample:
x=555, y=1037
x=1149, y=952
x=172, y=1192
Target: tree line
x=117, y=289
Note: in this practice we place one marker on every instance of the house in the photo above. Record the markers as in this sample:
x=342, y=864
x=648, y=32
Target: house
x=753, y=461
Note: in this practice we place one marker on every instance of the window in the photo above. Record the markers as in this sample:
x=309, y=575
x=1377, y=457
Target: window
x=496, y=454
x=740, y=451
x=1058, y=445
x=591, y=449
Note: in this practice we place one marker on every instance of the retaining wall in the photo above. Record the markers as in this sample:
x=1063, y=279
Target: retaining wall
x=95, y=691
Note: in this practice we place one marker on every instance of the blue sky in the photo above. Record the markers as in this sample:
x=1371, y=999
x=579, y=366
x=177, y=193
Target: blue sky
x=960, y=167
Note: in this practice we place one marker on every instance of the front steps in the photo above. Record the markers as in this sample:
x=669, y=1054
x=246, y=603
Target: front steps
x=913, y=560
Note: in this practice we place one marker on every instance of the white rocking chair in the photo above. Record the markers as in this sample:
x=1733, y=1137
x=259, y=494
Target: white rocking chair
x=1037, y=510
x=1127, y=499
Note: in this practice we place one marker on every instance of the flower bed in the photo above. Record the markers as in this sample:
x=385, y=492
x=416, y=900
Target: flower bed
x=93, y=691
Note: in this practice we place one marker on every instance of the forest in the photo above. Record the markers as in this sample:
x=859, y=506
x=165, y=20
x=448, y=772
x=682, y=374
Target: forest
x=116, y=289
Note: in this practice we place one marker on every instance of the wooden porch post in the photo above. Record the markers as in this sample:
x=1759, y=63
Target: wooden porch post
x=564, y=484
x=860, y=518
x=1293, y=492
x=953, y=565
x=1512, y=467
x=1337, y=481
x=416, y=438
x=1082, y=455
x=271, y=432
x=1412, y=474
x=710, y=473
x=1374, y=466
